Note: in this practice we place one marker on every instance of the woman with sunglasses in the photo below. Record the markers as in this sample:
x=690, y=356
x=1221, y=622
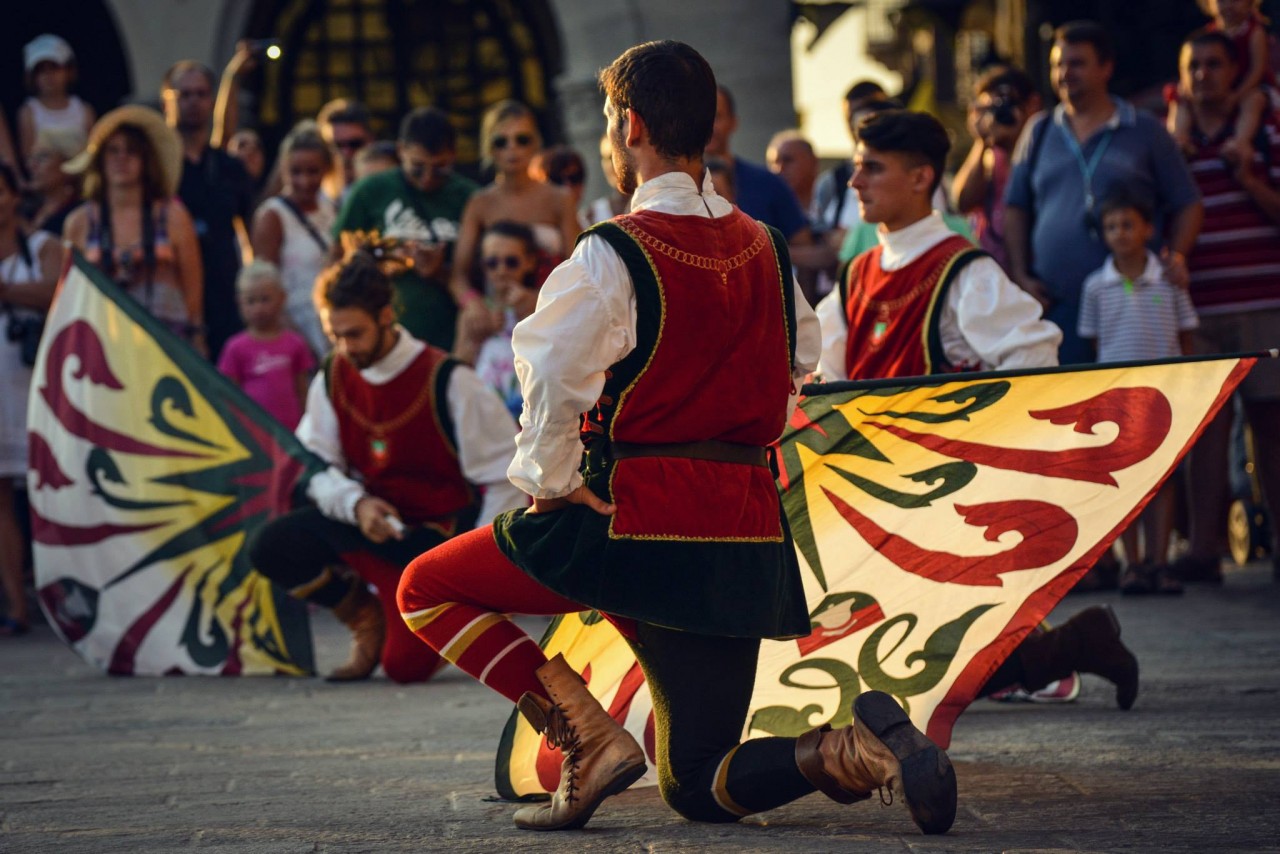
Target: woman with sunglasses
x=510, y=139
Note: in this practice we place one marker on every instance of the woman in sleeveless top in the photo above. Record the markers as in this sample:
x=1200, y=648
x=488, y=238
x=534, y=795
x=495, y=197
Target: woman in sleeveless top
x=292, y=230
x=29, y=266
x=509, y=140
x=132, y=227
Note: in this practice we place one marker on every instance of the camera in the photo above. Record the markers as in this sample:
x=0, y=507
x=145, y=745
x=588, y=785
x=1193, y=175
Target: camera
x=1004, y=111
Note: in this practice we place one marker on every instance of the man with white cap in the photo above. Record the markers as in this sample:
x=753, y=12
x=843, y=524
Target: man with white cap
x=50, y=66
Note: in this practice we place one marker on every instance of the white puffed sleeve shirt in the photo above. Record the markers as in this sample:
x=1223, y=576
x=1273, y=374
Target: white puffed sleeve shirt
x=986, y=320
x=584, y=323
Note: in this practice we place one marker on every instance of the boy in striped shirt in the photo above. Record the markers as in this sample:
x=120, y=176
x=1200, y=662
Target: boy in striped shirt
x=1132, y=313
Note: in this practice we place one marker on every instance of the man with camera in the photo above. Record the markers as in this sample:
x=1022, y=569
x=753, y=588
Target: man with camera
x=1067, y=161
x=419, y=207
x=1004, y=98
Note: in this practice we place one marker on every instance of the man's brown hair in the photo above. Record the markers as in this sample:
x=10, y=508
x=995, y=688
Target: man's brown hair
x=672, y=88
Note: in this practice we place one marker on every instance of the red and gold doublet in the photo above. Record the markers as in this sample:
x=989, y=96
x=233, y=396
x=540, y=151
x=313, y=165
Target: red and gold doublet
x=677, y=441
x=893, y=315
x=394, y=435
x=723, y=327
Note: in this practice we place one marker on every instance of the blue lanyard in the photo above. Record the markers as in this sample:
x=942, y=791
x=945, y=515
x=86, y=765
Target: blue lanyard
x=1087, y=168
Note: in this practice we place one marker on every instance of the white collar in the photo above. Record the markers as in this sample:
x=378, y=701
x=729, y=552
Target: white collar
x=405, y=350
x=1151, y=273
x=901, y=247
x=676, y=193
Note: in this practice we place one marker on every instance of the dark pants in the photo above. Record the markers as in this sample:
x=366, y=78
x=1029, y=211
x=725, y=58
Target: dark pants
x=300, y=551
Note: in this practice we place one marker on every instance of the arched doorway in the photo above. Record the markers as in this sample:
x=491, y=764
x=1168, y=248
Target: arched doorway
x=394, y=55
x=88, y=26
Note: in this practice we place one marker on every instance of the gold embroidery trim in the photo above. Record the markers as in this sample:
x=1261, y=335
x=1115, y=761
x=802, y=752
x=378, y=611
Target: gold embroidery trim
x=383, y=428
x=723, y=266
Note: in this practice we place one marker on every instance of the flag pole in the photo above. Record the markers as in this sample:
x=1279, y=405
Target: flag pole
x=811, y=389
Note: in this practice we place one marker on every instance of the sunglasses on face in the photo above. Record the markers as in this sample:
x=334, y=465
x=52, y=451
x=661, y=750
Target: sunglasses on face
x=495, y=262
x=350, y=144
x=574, y=178
x=521, y=139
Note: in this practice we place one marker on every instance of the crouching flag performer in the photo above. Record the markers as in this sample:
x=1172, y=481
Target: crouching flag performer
x=678, y=328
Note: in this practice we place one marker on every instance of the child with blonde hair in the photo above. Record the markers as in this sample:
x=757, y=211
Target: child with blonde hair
x=271, y=363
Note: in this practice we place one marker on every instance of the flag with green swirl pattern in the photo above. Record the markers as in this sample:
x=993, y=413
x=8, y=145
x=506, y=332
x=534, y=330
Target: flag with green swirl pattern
x=937, y=522
x=148, y=471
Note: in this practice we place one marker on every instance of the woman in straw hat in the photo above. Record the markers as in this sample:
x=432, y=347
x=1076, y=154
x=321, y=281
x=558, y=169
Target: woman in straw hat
x=132, y=227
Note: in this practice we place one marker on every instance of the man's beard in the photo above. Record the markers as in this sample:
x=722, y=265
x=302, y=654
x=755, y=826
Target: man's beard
x=624, y=164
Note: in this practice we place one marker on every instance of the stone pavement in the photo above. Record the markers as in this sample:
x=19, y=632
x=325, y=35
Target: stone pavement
x=91, y=763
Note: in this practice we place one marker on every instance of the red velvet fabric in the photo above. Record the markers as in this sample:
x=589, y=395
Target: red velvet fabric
x=415, y=467
x=890, y=313
x=733, y=277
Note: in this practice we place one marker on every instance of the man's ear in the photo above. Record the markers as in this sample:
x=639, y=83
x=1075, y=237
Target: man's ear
x=922, y=179
x=387, y=316
x=636, y=128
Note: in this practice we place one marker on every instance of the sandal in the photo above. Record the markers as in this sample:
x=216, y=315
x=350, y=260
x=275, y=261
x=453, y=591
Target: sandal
x=11, y=628
x=1139, y=579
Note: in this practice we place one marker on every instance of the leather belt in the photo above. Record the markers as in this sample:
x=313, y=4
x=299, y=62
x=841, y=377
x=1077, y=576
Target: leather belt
x=710, y=450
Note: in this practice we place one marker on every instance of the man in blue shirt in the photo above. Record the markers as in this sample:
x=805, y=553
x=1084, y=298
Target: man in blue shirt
x=759, y=193
x=1067, y=161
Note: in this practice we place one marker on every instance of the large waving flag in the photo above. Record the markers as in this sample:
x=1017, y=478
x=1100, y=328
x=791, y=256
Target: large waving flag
x=148, y=471
x=937, y=522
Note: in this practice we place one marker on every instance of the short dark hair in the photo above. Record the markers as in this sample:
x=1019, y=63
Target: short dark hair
x=672, y=88
x=1204, y=37
x=357, y=281
x=919, y=135
x=1090, y=33
x=514, y=230
x=344, y=111
x=557, y=161
x=430, y=128
x=1005, y=80
x=1126, y=198
x=864, y=89
x=181, y=67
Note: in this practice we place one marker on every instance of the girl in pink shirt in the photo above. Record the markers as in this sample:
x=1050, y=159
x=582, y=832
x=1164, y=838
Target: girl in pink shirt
x=272, y=364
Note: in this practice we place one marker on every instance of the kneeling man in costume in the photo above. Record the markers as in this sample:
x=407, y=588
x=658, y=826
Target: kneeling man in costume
x=926, y=301
x=409, y=435
x=680, y=332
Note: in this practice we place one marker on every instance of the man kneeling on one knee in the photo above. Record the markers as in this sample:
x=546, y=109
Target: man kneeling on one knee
x=411, y=437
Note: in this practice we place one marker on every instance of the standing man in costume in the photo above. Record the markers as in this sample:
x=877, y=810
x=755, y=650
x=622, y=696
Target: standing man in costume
x=409, y=434
x=926, y=301
x=669, y=345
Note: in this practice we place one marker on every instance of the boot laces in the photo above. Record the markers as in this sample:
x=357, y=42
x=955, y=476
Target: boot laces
x=562, y=734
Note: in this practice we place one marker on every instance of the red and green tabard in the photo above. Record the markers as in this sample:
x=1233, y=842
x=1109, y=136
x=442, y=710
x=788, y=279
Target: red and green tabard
x=399, y=437
x=893, y=315
x=677, y=441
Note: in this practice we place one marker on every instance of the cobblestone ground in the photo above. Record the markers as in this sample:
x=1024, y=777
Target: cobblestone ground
x=94, y=763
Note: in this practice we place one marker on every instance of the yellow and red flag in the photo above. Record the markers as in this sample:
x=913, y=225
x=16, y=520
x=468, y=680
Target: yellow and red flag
x=938, y=520
x=148, y=470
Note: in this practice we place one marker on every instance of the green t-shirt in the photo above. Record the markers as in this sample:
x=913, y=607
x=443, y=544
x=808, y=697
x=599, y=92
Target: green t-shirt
x=385, y=202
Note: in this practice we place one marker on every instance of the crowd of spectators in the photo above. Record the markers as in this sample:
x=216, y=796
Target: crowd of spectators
x=171, y=205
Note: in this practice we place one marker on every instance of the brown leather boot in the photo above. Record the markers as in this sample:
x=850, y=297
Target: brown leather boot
x=361, y=612
x=1089, y=642
x=600, y=757
x=881, y=749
